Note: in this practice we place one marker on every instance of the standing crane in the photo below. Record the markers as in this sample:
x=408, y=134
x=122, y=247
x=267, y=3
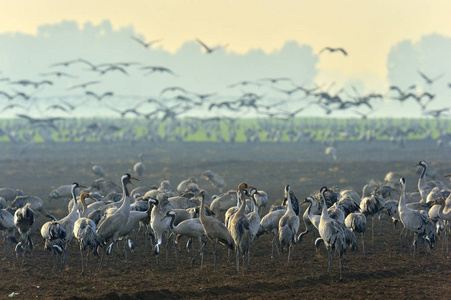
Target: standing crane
x=423, y=186
x=215, y=230
x=331, y=233
x=139, y=167
x=85, y=232
x=239, y=230
x=24, y=219
x=110, y=227
x=58, y=234
x=288, y=224
x=414, y=220
x=192, y=228
x=357, y=223
x=159, y=225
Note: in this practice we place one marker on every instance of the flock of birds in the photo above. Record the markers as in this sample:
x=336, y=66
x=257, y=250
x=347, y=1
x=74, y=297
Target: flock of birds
x=26, y=133
x=106, y=214
x=276, y=97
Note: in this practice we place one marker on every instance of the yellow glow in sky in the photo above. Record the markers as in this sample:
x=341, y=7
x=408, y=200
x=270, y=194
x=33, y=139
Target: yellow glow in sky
x=366, y=29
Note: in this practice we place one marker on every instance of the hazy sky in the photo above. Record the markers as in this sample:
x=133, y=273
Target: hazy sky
x=366, y=29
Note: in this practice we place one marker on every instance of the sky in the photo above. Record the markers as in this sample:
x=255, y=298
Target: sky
x=388, y=42
x=366, y=29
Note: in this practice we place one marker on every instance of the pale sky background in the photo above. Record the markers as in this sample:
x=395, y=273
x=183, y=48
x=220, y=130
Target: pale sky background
x=366, y=29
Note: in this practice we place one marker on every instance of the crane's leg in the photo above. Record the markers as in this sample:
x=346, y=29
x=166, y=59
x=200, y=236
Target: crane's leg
x=113, y=253
x=401, y=238
x=87, y=261
x=168, y=239
x=201, y=250
x=339, y=262
x=272, y=247
x=125, y=252
x=237, y=259
x=415, y=241
x=189, y=244
x=249, y=256
x=289, y=251
x=363, y=242
x=329, y=268
x=54, y=260
x=202, y=255
x=214, y=253
x=101, y=258
x=82, y=264
x=30, y=243
x=276, y=244
x=380, y=223
x=372, y=229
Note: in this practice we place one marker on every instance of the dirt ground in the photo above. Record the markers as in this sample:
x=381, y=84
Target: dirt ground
x=387, y=271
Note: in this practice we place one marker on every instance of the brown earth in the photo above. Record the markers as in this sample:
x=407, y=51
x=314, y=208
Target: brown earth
x=387, y=271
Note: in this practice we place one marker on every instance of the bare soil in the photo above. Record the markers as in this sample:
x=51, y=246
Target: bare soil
x=387, y=271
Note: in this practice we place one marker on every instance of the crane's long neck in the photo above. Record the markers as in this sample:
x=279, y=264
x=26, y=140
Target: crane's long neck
x=202, y=208
x=402, y=200
x=289, y=205
x=324, y=213
x=254, y=203
x=125, y=196
x=422, y=180
x=171, y=224
x=441, y=212
x=309, y=209
x=84, y=206
x=74, y=210
x=238, y=199
x=242, y=205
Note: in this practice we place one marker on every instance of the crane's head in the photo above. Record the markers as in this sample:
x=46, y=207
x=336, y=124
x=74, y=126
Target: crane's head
x=253, y=192
x=440, y=201
x=76, y=185
x=152, y=201
x=422, y=163
x=402, y=181
x=323, y=189
x=169, y=214
x=85, y=195
x=309, y=199
x=287, y=189
x=242, y=186
x=127, y=178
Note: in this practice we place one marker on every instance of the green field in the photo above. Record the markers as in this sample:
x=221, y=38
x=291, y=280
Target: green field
x=195, y=130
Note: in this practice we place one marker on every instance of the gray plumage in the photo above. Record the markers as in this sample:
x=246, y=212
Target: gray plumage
x=288, y=224
x=331, y=233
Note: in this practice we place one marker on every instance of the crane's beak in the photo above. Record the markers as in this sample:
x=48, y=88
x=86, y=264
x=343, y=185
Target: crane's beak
x=82, y=186
x=134, y=178
x=163, y=218
x=448, y=175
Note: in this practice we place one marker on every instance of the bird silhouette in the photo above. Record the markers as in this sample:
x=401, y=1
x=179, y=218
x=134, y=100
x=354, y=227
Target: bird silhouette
x=58, y=74
x=428, y=79
x=99, y=97
x=146, y=44
x=330, y=49
x=83, y=85
x=208, y=49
